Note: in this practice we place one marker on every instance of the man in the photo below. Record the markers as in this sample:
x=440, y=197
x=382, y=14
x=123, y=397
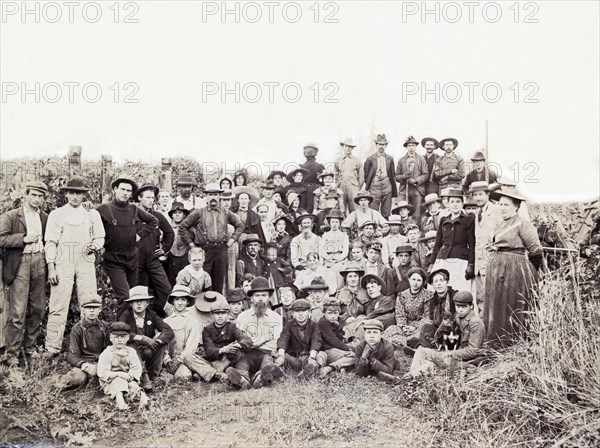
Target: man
x=185, y=183
x=362, y=214
x=449, y=169
x=120, y=219
x=314, y=168
x=177, y=258
x=392, y=240
x=412, y=175
x=207, y=228
x=256, y=368
x=24, y=271
x=374, y=266
x=379, y=177
x=150, y=270
x=267, y=199
x=163, y=203
x=480, y=172
x=250, y=260
x=73, y=235
x=486, y=220
x=304, y=243
x=350, y=173
x=430, y=144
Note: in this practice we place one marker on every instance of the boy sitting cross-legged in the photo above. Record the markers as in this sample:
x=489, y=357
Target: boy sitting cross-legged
x=339, y=354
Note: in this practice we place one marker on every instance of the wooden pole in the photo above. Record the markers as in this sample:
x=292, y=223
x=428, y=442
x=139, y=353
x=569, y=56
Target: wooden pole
x=74, y=160
x=165, y=179
x=107, y=174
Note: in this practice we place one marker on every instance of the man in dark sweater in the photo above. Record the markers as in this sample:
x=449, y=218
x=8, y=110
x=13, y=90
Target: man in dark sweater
x=120, y=218
x=339, y=354
x=150, y=270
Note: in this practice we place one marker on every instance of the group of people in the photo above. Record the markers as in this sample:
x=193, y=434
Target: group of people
x=311, y=271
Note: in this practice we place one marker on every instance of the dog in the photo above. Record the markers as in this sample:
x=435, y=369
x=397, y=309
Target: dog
x=447, y=336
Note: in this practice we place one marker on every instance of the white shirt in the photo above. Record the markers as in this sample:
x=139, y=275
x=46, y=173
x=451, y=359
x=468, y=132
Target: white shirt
x=256, y=328
x=33, y=223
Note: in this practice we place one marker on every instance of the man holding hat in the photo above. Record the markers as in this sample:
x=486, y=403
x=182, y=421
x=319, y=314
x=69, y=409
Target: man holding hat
x=412, y=175
x=185, y=183
x=207, y=228
x=430, y=144
x=379, y=177
x=480, y=173
x=449, y=169
x=350, y=173
x=73, y=235
x=120, y=220
x=24, y=271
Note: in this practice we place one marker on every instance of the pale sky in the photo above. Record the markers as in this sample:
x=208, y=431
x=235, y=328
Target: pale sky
x=374, y=61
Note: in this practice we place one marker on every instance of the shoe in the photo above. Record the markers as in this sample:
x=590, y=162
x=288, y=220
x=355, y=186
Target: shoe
x=310, y=369
x=220, y=376
x=325, y=371
x=408, y=351
x=388, y=378
x=273, y=371
x=236, y=379
x=11, y=362
x=32, y=354
x=146, y=383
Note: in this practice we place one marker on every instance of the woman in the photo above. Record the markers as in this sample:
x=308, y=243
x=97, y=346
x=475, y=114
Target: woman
x=240, y=179
x=351, y=296
x=514, y=255
x=412, y=311
x=454, y=248
x=226, y=184
x=297, y=179
x=284, y=232
x=294, y=209
x=441, y=301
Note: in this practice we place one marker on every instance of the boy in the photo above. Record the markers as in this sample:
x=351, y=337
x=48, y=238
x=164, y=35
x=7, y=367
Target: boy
x=317, y=293
x=418, y=257
x=431, y=219
x=224, y=342
x=374, y=355
x=238, y=301
x=193, y=275
x=247, y=282
x=300, y=342
x=470, y=206
x=472, y=334
x=89, y=337
x=426, y=245
x=119, y=368
x=287, y=296
x=339, y=354
x=150, y=335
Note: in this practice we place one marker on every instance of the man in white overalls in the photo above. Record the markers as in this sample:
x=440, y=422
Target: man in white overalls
x=73, y=234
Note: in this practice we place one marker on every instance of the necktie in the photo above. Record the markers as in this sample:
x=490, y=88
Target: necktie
x=480, y=215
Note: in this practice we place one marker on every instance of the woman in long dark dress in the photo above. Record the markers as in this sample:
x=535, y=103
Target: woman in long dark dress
x=515, y=254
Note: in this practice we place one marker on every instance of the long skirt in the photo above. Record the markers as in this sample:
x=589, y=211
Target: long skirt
x=510, y=280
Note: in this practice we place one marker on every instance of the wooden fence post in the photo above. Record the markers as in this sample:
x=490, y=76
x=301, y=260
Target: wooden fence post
x=107, y=174
x=74, y=160
x=166, y=176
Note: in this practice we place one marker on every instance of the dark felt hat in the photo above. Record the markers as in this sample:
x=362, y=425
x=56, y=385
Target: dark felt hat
x=410, y=140
x=119, y=327
x=352, y=267
x=291, y=174
x=439, y=271
x=477, y=156
x=145, y=187
x=124, y=180
x=426, y=139
x=335, y=213
x=178, y=206
x=260, y=284
x=401, y=205
x=449, y=139
x=300, y=305
x=363, y=195
x=274, y=173
x=236, y=295
x=380, y=138
x=372, y=277
x=317, y=284
x=75, y=184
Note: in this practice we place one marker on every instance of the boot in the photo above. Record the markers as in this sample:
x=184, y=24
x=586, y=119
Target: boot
x=146, y=383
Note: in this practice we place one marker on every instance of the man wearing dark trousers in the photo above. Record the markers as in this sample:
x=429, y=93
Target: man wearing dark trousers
x=207, y=228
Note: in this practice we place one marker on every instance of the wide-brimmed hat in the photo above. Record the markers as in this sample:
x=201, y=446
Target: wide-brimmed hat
x=426, y=139
x=352, y=267
x=212, y=188
x=348, y=142
x=477, y=156
x=311, y=145
x=282, y=191
x=247, y=238
x=227, y=194
x=394, y=220
x=181, y=291
x=335, y=213
x=138, y=293
x=317, y=284
x=431, y=198
x=496, y=195
x=363, y=195
x=332, y=193
x=404, y=248
x=289, y=225
x=259, y=284
x=401, y=205
x=449, y=139
x=75, y=184
x=252, y=193
x=429, y=235
x=367, y=278
x=269, y=185
x=380, y=138
x=178, y=207
x=326, y=173
x=145, y=187
x=480, y=185
x=124, y=180
x=410, y=140
x=185, y=179
x=207, y=299
x=291, y=174
x=439, y=271
x=299, y=219
x=452, y=193
x=272, y=174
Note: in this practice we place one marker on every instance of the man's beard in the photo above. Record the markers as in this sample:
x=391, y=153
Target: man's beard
x=260, y=308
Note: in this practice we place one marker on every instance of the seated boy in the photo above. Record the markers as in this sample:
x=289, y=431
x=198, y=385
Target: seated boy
x=236, y=299
x=193, y=275
x=89, y=337
x=119, y=368
x=299, y=344
x=150, y=335
x=472, y=333
x=339, y=354
x=374, y=355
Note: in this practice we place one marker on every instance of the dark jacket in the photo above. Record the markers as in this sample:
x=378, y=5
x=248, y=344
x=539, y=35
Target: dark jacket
x=152, y=325
x=381, y=359
x=455, y=238
x=371, y=170
x=437, y=306
x=314, y=169
x=12, y=231
x=332, y=334
x=281, y=270
x=486, y=175
x=215, y=338
x=86, y=342
x=431, y=186
x=151, y=240
x=382, y=308
x=420, y=174
x=296, y=345
x=246, y=265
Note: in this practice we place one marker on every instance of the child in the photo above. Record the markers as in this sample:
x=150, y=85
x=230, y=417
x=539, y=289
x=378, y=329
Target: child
x=286, y=298
x=470, y=206
x=299, y=344
x=357, y=255
x=89, y=337
x=391, y=241
x=339, y=354
x=413, y=234
x=405, y=210
x=284, y=229
x=119, y=368
x=472, y=334
x=374, y=355
x=150, y=335
x=238, y=302
x=335, y=244
x=193, y=275
x=224, y=344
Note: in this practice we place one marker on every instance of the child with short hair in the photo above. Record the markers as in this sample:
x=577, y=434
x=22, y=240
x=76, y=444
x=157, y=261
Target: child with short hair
x=287, y=296
x=120, y=369
x=374, y=355
x=238, y=302
x=193, y=275
x=299, y=345
x=339, y=354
